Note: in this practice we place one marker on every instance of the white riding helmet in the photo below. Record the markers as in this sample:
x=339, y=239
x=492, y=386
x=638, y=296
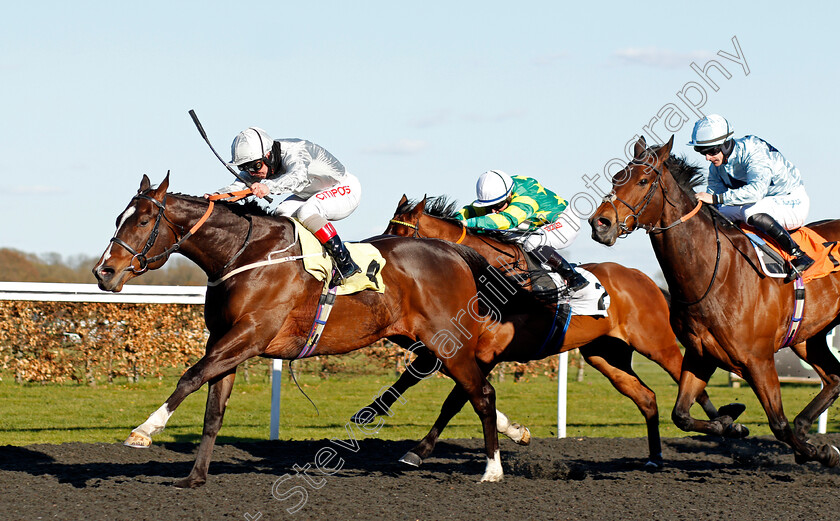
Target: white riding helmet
x=249, y=145
x=493, y=186
x=710, y=131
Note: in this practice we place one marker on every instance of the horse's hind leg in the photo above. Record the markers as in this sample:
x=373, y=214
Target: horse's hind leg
x=218, y=392
x=453, y=404
x=421, y=367
x=612, y=357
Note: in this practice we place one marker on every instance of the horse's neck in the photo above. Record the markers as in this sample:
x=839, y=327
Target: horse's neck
x=687, y=252
x=215, y=242
x=498, y=253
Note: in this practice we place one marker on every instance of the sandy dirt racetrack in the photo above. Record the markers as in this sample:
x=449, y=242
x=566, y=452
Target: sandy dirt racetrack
x=574, y=478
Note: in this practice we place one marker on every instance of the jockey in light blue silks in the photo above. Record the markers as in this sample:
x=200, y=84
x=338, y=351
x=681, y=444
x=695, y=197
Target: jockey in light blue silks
x=320, y=188
x=751, y=181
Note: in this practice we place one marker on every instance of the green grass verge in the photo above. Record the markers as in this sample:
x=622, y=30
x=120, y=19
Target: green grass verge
x=107, y=413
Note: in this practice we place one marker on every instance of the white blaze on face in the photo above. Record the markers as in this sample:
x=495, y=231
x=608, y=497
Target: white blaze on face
x=124, y=217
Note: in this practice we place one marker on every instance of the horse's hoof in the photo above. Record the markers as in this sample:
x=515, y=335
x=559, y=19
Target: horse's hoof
x=736, y=431
x=733, y=410
x=412, y=459
x=188, y=482
x=364, y=416
x=830, y=456
x=138, y=441
x=655, y=463
x=526, y=437
x=492, y=478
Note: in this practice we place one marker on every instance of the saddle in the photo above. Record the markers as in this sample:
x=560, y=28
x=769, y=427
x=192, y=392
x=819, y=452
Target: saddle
x=319, y=264
x=826, y=254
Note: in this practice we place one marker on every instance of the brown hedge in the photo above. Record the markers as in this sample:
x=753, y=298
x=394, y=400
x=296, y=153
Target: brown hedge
x=95, y=342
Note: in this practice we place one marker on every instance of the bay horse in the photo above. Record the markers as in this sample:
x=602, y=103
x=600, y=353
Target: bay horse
x=723, y=309
x=638, y=319
x=268, y=311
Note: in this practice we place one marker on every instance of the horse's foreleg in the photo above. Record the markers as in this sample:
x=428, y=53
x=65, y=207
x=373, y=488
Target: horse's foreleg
x=218, y=392
x=421, y=367
x=221, y=357
x=695, y=376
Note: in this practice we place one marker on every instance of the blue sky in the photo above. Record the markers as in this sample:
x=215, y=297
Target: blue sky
x=416, y=99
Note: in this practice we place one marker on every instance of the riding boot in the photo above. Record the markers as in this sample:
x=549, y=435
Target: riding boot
x=780, y=236
x=344, y=264
x=574, y=280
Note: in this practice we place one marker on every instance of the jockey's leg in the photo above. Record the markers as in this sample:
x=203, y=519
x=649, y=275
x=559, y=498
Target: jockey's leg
x=333, y=204
x=344, y=264
x=575, y=280
x=557, y=235
x=780, y=236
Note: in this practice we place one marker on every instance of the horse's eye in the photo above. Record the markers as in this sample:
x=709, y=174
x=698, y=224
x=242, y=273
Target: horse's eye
x=643, y=181
x=143, y=223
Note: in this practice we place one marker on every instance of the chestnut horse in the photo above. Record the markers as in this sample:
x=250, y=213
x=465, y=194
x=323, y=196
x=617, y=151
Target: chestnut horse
x=268, y=311
x=638, y=320
x=725, y=312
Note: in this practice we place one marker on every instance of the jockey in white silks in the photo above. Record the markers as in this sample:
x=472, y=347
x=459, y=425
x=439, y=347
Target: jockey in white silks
x=321, y=189
x=751, y=181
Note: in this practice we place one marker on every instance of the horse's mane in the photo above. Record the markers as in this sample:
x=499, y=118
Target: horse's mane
x=246, y=209
x=445, y=209
x=688, y=176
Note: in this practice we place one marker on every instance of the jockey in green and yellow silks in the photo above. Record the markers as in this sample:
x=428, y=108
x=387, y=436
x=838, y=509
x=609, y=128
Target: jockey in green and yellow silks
x=538, y=214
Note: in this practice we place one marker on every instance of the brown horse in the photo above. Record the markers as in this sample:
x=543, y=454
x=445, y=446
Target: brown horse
x=638, y=320
x=268, y=311
x=726, y=312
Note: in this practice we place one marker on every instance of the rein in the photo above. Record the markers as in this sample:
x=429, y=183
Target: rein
x=143, y=262
x=416, y=228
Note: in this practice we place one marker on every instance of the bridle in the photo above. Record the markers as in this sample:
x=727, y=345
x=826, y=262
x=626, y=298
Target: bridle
x=625, y=230
x=416, y=228
x=144, y=262
x=636, y=212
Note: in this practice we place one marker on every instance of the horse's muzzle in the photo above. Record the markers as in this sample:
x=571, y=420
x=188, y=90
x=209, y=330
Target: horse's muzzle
x=604, y=230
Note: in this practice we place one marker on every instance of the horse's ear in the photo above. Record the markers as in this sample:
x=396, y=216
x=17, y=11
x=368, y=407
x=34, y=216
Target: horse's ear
x=422, y=204
x=639, y=148
x=403, y=200
x=162, y=188
x=665, y=151
x=144, y=184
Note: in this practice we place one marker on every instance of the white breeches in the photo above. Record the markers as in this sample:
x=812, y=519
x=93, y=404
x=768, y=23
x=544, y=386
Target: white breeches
x=789, y=210
x=558, y=234
x=333, y=204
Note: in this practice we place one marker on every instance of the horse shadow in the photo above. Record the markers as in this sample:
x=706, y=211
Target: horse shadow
x=694, y=459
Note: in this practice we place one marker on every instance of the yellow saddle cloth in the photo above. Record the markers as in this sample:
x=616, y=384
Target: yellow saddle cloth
x=319, y=264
